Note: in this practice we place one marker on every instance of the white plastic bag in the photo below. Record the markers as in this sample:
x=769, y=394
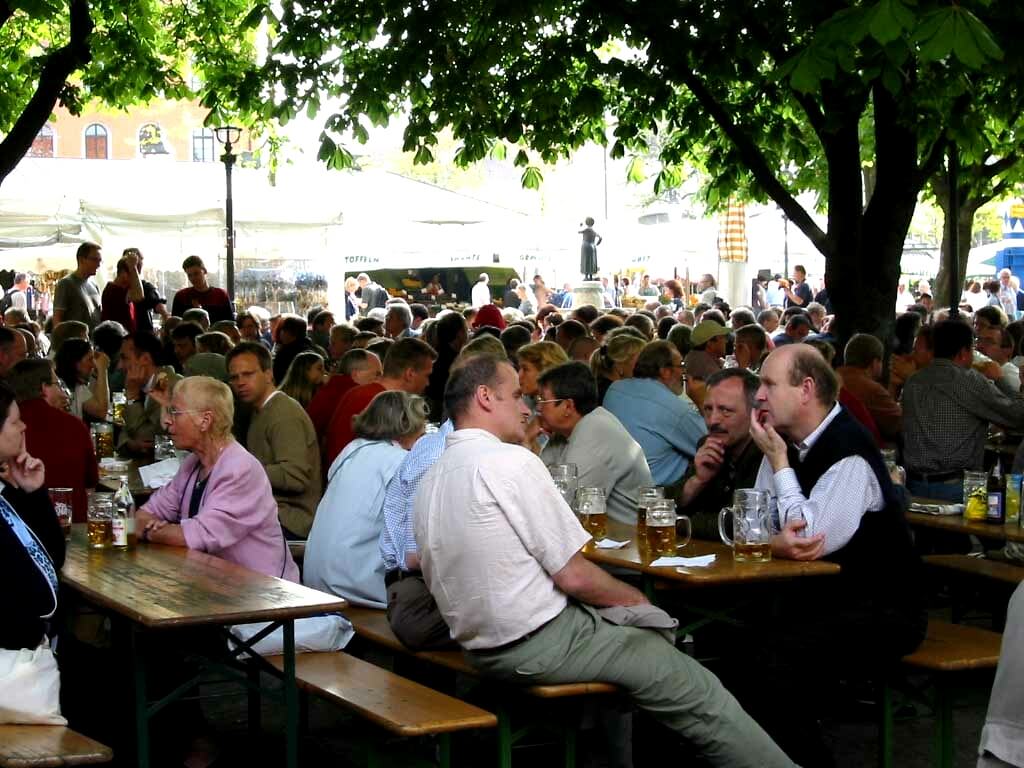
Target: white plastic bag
x=317, y=633
x=30, y=687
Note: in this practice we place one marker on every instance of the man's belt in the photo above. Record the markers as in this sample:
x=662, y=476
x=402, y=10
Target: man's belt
x=398, y=574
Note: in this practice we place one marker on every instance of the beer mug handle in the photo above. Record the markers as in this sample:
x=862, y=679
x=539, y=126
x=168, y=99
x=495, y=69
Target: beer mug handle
x=680, y=543
x=721, y=526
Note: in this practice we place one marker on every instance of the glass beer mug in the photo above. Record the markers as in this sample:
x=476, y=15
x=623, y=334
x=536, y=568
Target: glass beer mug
x=566, y=481
x=590, y=504
x=663, y=535
x=751, y=527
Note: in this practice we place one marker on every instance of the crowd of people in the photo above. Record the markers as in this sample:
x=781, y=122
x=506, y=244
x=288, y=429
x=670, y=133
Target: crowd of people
x=411, y=453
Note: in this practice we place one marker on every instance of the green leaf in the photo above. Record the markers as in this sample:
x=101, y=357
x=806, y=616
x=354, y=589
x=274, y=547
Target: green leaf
x=532, y=178
x=522, y=159
x=498, y=151
x=889, y=20
x=936, y=34
x=423, y=156
x=635, y=172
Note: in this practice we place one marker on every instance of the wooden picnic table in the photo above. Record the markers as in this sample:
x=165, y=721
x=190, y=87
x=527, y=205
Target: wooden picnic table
x=957, y=524
x=154, y=587
x=724, y=570
x=135, y=485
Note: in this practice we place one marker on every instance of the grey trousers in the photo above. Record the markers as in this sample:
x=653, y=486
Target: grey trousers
x=414, y=616
x=579, y=645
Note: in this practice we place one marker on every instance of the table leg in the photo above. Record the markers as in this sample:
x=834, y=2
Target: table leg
x=141, y=698
x=291, y=696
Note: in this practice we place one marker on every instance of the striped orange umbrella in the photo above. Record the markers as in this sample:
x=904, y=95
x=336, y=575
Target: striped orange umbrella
x=732, y=233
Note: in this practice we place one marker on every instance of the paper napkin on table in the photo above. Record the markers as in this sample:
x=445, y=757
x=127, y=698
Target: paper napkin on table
x=611, y=544
x=159, y=474
x=691, y=562
x=937, y=509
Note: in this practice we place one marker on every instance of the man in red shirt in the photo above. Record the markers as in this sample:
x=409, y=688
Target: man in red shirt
x=201, y=294
x=407, y=368
x=53, y=435
x=356, y=367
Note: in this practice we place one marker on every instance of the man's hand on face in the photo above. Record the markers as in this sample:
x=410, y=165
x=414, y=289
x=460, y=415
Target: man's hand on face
x=769, y=441
x=709, y=458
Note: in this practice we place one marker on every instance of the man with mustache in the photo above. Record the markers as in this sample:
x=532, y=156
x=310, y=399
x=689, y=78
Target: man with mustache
x=727, y=458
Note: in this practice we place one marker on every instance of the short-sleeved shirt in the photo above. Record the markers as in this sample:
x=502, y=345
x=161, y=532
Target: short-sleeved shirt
x=116, y=307
x=803, y=290
x=215, y=301
x=492, y=530
x=78, y=299
x=607, y=457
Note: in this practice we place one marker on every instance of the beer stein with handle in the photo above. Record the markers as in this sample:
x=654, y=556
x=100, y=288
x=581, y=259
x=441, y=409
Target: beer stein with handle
x=751, y=527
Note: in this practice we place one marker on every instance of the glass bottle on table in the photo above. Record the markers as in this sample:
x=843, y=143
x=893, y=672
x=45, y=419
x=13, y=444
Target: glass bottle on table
x=995, y=508
x=123, y=519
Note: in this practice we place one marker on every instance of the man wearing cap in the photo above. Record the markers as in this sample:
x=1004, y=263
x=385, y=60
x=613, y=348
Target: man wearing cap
x=708, y=339
x=481, y=291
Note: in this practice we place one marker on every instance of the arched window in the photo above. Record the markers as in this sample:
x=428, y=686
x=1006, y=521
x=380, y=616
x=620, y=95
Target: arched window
x=43, y=144
x=96, y=144
x=151, y=141
x=203, y=146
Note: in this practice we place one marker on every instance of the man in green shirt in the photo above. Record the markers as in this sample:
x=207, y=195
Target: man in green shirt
x=280, y=435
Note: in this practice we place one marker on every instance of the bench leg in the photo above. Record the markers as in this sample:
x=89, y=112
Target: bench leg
x=141, y=697
x=569, y=745
x=444, y=752
x=504, y=738
x=943, y=722
x=291, y=696
x=254, y=702
x=885, y=727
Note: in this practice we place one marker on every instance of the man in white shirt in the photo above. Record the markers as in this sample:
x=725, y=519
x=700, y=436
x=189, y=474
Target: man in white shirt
x=500, y=552
x=481, y=292
x=585, y=434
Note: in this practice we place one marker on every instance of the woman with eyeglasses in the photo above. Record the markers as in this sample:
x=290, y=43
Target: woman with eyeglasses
x=84, y=372
x=220, y=501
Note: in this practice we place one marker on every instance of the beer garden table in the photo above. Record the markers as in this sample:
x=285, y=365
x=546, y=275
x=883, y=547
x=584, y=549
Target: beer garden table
x=957, y=524
x=154, y=587
x=724, y=571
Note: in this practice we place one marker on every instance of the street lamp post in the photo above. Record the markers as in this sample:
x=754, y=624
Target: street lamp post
x=228, y=135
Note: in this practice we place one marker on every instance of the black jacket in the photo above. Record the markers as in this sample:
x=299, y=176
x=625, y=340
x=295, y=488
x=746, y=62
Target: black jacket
x=26, y=591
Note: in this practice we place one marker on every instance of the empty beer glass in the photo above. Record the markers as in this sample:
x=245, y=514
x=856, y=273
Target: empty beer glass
x=566, y=481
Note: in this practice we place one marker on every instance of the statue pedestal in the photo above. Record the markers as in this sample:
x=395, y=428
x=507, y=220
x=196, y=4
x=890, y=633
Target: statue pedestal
x=588, y=292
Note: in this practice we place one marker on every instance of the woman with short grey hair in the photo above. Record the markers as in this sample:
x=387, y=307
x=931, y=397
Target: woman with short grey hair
x=343, y=553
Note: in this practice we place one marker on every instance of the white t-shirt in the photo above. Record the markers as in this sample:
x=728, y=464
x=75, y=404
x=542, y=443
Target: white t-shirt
x=491, y=529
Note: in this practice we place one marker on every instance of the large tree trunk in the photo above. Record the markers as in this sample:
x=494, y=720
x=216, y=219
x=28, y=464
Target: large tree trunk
x=941, y=287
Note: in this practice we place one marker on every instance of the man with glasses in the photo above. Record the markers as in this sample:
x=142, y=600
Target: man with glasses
x=53, y=435
x=585, y=434
x=650, y=408
x=76, y=296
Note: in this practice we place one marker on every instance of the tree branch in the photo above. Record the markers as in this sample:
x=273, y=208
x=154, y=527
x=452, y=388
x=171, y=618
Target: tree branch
x=1000, y=166
x=933, y=160
x=755, y=162
x=58, y=67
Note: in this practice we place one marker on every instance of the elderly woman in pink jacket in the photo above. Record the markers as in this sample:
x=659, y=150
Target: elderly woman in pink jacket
x=220, y=502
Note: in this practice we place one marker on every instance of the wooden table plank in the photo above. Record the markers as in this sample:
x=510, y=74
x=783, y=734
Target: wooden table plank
x=957, y=524
x=725, y=570
x=161, y=587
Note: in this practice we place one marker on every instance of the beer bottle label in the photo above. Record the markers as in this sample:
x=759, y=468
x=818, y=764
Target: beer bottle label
x=120, y=532
x=995, y=507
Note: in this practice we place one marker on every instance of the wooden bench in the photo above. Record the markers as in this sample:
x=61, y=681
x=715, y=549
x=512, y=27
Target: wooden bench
x=978, y=566
x=947, y=648
x=48, y=746
x=372, y=626
x=399, y=706
x=978, y=569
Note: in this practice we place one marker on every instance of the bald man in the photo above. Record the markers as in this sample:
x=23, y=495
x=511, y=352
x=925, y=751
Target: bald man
x=833, y=499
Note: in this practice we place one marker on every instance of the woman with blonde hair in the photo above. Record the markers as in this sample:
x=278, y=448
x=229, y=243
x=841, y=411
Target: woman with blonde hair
x=533, y=360
x=615, y=360
x=220, y=501
x=305, y=376
x=343, y=553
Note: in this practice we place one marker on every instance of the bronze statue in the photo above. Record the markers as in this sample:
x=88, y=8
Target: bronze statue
x=588, y=251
